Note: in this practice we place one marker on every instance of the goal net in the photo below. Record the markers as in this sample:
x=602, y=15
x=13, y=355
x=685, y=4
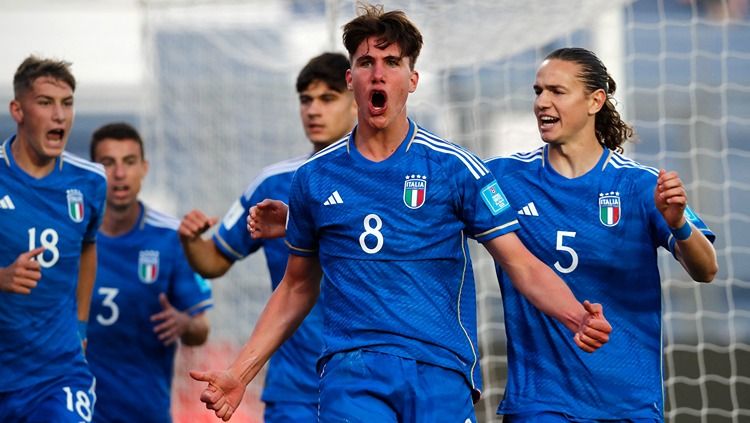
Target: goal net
x=221, y=105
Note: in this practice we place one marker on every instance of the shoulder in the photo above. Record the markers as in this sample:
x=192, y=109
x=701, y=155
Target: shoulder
x=631, y=169
x=447, y=153
x=278, y=172
x=509, y=163
x=331, y=152
x=159, y=220
x=75, y=164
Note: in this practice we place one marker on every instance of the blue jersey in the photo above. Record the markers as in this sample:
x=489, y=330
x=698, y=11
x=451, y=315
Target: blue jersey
x=133, y=368
x=291, y=375
x=60, y=212
x=392, y=238
x=600, y=232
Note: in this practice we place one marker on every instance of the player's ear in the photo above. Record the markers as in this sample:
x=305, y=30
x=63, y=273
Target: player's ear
x=596, y=101
x=145, y=167
x=413, y=80
x=15, y=111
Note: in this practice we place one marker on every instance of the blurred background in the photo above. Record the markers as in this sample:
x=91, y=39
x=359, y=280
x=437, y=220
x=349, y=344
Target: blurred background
x=210, y=84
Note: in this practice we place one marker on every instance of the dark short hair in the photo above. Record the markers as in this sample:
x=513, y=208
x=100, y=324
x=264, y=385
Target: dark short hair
x=117, y=131
x=328, y=67
x=388, y=27
x=34, y=67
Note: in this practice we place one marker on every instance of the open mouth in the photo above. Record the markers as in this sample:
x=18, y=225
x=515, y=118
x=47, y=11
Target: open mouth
x=548, y=120
x=377, y=99
x=56, y=134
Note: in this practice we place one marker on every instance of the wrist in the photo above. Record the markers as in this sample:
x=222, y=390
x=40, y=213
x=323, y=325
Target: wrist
x=82, y=329
x=683, y=232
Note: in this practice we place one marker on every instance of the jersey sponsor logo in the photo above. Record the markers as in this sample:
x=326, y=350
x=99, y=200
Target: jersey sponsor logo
x=75, y=205
x=415, y=191
x=494, y=198
x=148, y=266
x=609, y=208
x=6, y=203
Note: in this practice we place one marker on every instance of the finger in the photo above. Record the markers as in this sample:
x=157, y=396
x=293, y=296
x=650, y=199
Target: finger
x=201, y=376
x=31, y=254
x=164, y=301
x=589, y=341
x=223, y=412
x=592, y=308
x=599, y=337
x=581, y=345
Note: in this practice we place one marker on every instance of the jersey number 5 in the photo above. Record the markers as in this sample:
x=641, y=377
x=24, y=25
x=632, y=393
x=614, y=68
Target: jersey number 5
x=573, y=255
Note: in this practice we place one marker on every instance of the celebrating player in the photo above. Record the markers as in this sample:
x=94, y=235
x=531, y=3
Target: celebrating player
x=328, y=113
x=385, y=214
x=598, y=218
x=146, y=296
x=52, y=204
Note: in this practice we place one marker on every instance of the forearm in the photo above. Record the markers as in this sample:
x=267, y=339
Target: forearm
x=197, y=331
x=286, y=309
x=205, y=258
x=86, y=278
x=534, y=280
x=547, y=292
x=698, y=256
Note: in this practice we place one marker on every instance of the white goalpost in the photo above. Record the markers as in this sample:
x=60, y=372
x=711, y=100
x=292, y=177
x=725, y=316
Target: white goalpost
x=220, y=105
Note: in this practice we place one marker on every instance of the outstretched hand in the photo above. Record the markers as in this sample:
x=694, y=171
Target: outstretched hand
x=172, y=323
x=194, y=224
x=594, y=330
x=670, y=198
x=23, y=274
x=223, y=393
x=267, y=219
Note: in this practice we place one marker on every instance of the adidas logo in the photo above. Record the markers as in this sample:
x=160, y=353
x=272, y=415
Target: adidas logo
x=6, y=203
x=334, y=198
x=529, y=210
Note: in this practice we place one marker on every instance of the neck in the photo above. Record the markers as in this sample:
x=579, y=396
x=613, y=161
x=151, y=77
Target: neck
x=572, y=160
x=377, y=144
x=118, y=221
x=27, y=159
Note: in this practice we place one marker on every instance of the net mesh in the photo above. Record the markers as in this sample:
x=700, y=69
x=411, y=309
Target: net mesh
x=222, y=105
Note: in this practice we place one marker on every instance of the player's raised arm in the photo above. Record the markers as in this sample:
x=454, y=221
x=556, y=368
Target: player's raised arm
x=201, y=253
x=267, y=219
x=547, y=292
x=694, y=251
x=290, y=302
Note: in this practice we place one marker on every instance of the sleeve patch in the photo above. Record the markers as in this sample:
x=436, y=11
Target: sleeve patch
x=494, y=198
x=234, y=213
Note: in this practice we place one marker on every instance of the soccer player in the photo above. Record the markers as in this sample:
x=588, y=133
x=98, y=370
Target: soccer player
x=146, y=296
x=385, y=214
x=51, y=203
x=598, y=218
x=328, y=113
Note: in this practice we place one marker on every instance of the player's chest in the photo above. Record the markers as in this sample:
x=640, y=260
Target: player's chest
x=416, y=194
x=137, y=269
x=52, y=217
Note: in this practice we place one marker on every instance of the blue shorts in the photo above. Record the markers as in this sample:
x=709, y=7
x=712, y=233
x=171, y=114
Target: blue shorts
x=552, y=417
x=283, y=412
x=367, y=386
x=67, y=399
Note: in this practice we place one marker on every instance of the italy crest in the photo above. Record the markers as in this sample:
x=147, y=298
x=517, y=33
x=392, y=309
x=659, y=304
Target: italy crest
x=75, y=205
x=148, y=266
x=415, y=191
x=609, y=208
